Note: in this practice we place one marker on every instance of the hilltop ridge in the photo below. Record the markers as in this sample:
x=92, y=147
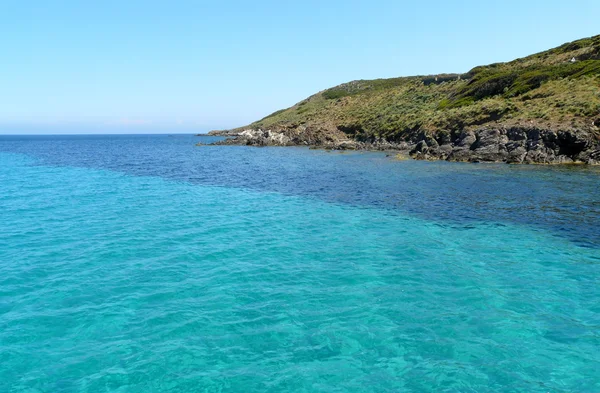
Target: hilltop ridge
x=543, y=108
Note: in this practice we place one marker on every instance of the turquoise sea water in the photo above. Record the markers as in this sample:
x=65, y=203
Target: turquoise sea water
x=132, y=264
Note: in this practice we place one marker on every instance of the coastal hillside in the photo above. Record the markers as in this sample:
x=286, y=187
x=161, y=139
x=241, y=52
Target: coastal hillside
x=541, y=108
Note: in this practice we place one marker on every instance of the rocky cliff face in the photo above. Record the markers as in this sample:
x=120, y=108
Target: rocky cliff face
x=512, y=145
x=516, y=144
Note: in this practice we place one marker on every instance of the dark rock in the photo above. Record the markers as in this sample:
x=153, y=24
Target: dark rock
x=516, y=153
x=490, y=145
x=432, y=142
x=420, y=147
x=516, y=134
x=539, y=154
x=517, y=144
x=441, y=152
x=443, y=138
x=460, y=154
x=591, y=156
x=563, y=160
x=571, y=143
x=466, y=139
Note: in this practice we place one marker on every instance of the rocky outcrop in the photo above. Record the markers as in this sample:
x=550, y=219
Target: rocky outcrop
x=516, y=144
x=290, y=136
x=260, y=138
x=320, y=139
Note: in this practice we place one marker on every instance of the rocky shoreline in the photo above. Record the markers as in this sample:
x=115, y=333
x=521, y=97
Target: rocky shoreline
x=515, y=145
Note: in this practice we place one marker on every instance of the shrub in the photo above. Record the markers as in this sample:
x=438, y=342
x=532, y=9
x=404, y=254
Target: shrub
x=334, y=94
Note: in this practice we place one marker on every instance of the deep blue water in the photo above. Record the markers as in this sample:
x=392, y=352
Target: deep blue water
x=148, y=264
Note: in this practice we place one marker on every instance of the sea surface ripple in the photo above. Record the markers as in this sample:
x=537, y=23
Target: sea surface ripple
x=147, y=264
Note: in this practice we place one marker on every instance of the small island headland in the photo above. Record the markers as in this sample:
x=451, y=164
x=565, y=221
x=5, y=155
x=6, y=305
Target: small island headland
x=544, y=109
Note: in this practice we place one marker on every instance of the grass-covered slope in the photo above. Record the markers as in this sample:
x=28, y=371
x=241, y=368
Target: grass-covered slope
x=558, y=88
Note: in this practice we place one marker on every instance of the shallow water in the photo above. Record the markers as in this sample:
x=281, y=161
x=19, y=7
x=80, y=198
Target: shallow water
x=147, y=264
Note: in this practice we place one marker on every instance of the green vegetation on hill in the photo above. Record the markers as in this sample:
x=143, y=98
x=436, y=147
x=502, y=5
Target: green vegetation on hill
x=556, y=88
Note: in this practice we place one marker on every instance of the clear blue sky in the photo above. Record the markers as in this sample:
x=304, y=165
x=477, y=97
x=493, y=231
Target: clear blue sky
x=137, y=65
